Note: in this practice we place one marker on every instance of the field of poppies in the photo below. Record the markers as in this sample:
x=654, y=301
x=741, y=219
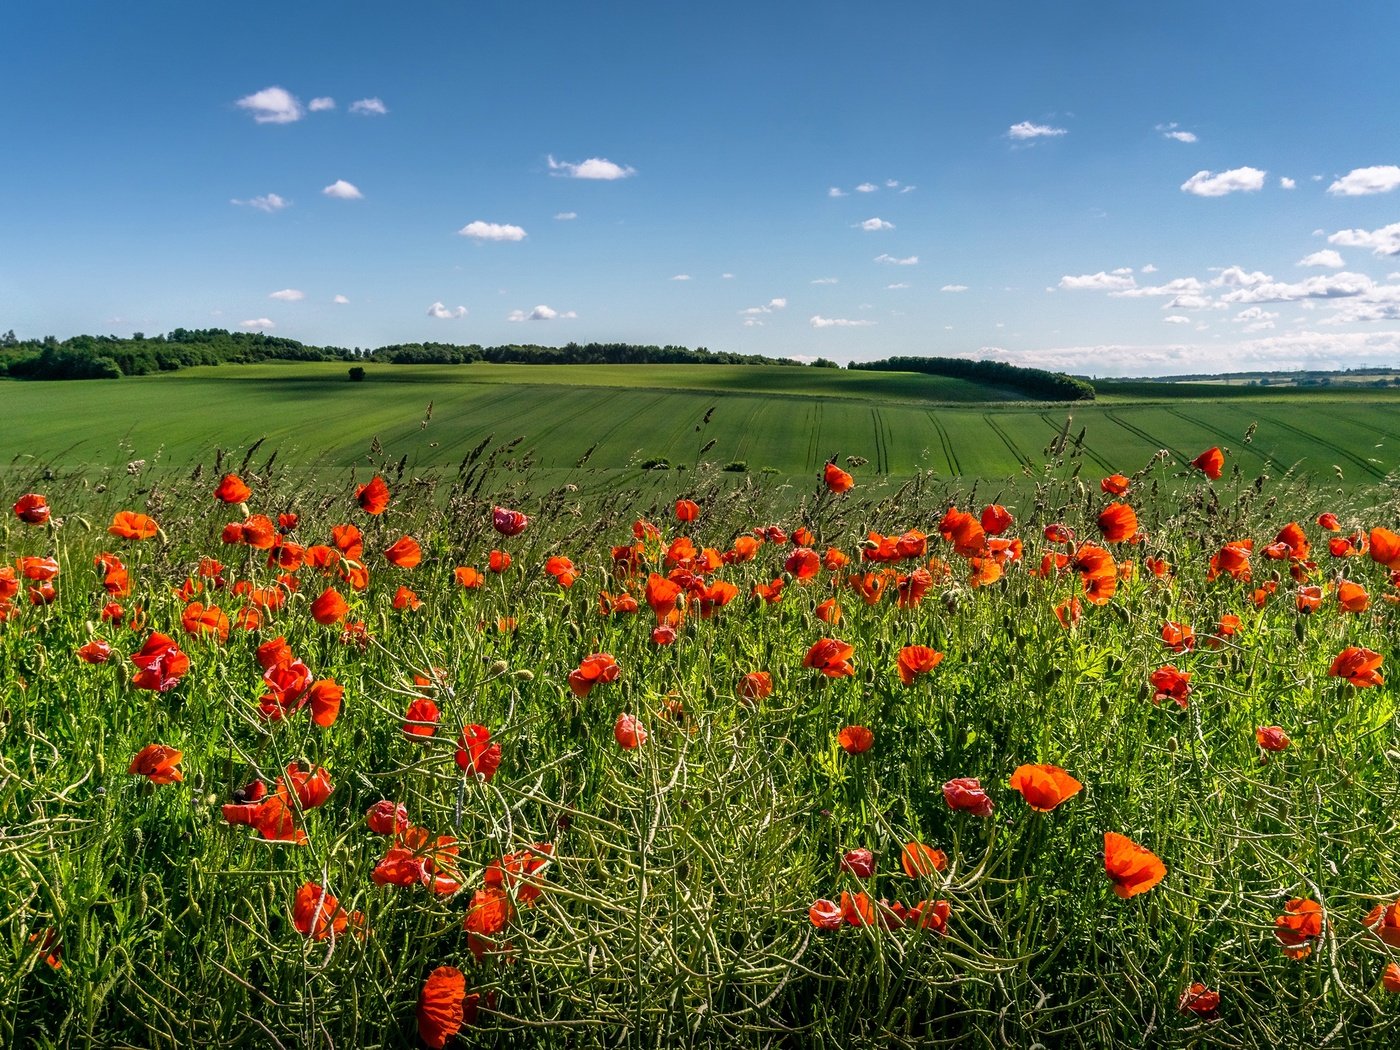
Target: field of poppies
x=451, y=759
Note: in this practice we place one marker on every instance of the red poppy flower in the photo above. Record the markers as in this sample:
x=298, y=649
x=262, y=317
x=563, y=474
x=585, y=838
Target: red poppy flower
x=920, y=861
x=329, y=608
x=476, y=754
x=1069, y=612
x=373, y=498
x=498, y=561
x=836, y=479
x=825, y=915
x=1118, y=522
x=130, y=525
x=966, y=794
x=912, y=588
x=1211, y=462
x=687, y=510
x=855, y=740
x=312, y=787
x=317, y=914
x=1178, y=637
x=1360, y=667
x=1385, y=548
x=1199, y=1000
x=832, y=657
x=96, y=651
x=160, y=664
x=508, y=522
x=628, y=732
x=829, y=611
x=444, y=1007
x=996, y=519
x=755, y=686
x=928, y=915
x=1272, y=738
x=405, y=553
x=1134, y=869
x=38, y=568
x=1352, y=597
x=32, y=509
x=770, y=593
x=562, y=569
x=1044, y=787
x=914, y=660
x=158, y=763
x=490, y=912
x=1390, y=978
x=859, y=862
x=232, y=489
x=1115, y=484
x=803, y=564
x=1299, y=927
x=1384, y=920
x=421, y=718
x=199, y=619
x=1168, y=682
x=520, y=871
x=47, y=942
x=857, y=909
x=594, y=669
x=387, y=817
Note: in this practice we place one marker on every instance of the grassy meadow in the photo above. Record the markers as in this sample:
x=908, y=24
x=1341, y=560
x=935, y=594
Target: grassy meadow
x=692, y=756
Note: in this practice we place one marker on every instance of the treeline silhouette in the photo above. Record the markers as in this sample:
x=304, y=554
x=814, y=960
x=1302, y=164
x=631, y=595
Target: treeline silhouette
x=1033, y=382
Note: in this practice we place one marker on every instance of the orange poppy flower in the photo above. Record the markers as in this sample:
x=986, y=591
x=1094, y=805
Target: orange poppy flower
x=1134, y=869
x=96, y=651
x=755, y=686
x=1308, y=599
x=628, y=732
x=1115, y=484
x=1352, y=597
x=324, y=698
x=1199, y=1000
x=594, y=669
x=1169, y=683
x=1384, y=920
x=468, y=576
x=608, y=604
x=771, y=593
x=920, y=861
x=1390, y=978
x=32, y=509
x=983, y=571
x=1385, y=548
x=444, y=1007
x=713, y=596
x=1044, y=787
x=130, y=525
x=687, y=510
x=803, y=564
x=404, y=598
x=829, y=611
x=1272, y=738
x=38, y=568
x=996, y=519
x=1211, y=463
x=232, y=489
x=832, y=657
x=857, y=908
x=421, y=718
x=317, y=914
x=373, y=497
x=1360, y=667
x=1159, y=568
x=661, y=595
x=562, y=569
x=966, y=794
x=1118, y=522
x=476, y=755
x=836, y=479
x=200, y=619
x=160, y=664
x=158, y=763
x=43, y=594
x=405, y=553
x=498, y=561
x=964, y=532
x=1178, y=637
x=826, y=915
x=914, y=660
x=47, y=942
x=329, y=608
x=855, y=740
x=834, y=559
x=1299, y=927
x=870, y=586
x=744, y=548
x=1069, y=612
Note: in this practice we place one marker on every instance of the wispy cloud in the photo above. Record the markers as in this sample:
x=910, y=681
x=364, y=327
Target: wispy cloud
x=827, y=280
x=592, y=168
x=771, y=306
x=442, y=313
x=369, y=107
x=539, y=313
x=566, y=216
x=1361, y=182
x=1171, y=131
x=272, y=105
x=867, y=187
x=343, y=191
x=871, y=225
x=835, y=191
x=268, y=202
x=1026, y=130
x=340, y=300
x=681, y=277
x=1097, y=282
x=898, y=286
x=288, y=295
x=1236, y=180
x=319, y=105
x=953, y=288
x=258, y=322
x=818, y=321
x=910, y=260
x=491, y=231
x=1384, y=241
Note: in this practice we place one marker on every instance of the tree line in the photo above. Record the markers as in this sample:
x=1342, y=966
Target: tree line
x=1033, y=382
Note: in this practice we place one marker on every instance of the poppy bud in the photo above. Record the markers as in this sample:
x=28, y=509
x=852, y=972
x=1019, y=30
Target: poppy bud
x=499, y=667
x=525, y=675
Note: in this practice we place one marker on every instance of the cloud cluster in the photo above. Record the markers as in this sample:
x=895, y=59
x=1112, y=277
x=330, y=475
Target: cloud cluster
x=1361, y=182
x=268, y=202
x=1026, y=131
x=1384, y=241
x=369, y=107
x=1171, y=131
x=872, y=225
x=1236, y=180
x=592, y=168
x=480, y=231
x=442, y=313
x=885, y=257
x=272, y=105
x=539, y=313
x=818, y=321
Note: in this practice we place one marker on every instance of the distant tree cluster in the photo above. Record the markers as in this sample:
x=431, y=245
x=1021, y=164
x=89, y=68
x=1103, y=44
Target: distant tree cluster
x=569, y=354
x=1033, y=382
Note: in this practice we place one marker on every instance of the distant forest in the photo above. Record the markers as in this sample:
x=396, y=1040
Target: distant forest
x=111, y=357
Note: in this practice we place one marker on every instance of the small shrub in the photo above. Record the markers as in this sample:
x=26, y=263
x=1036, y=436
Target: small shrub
x=738, y=466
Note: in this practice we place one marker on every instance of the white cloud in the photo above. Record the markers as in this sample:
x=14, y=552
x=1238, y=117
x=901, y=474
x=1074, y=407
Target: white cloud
x=268, y=202
x=1169, y=131
x=272, y=105
x=1326, y=257
x=772, y=306
x=442, y=313
x=340, y=300
x=777, y=304
x=491, y=231
x=827, y=280
x=369, y=107
x=1285, y=183
x=1361, y=182
x=907, y=189
x=867, y=187
x=288, y=295
x=566, y=216
x=1323, y=286
x=1096, y=282
x=1027, y=130
x=1178, y=286
x=1207, y=184
x=1187, y=301
x=1238, y=277
x=1384, y=241
x=911, y=260
x=752, y=322
x=953, y=288
x=726, y=277
x=1255, y=319
x=896, y=287
x=1176, y=319
x=818, y=321
x=871, y=225
x=258, y=322
x=592, y=168
x=681, y=277
x=1149, y=268
x=343, y=191
x=539, y=313
x=835, y=191
x=317, y=105
x=892, y=184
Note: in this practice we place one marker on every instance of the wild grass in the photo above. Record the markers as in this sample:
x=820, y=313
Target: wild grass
x=675, y=909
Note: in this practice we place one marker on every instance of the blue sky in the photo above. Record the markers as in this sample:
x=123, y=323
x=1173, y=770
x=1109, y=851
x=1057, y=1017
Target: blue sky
x=1102, y=187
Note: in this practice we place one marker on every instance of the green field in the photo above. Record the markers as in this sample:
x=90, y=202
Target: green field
x=785, y=420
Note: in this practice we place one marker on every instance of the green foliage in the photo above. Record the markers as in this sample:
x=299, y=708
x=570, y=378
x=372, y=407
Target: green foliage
x=1033, y=382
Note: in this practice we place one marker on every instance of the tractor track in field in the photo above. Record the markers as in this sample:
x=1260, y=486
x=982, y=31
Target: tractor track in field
x=1021, y=458
x=881, y=452
x=1342, y=453
x=1151, y=441
x=954, y=467
x=1226, y=436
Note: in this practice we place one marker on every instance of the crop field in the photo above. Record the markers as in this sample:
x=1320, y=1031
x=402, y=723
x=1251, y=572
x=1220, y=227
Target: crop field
x=786, y=421
x=857, y=763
